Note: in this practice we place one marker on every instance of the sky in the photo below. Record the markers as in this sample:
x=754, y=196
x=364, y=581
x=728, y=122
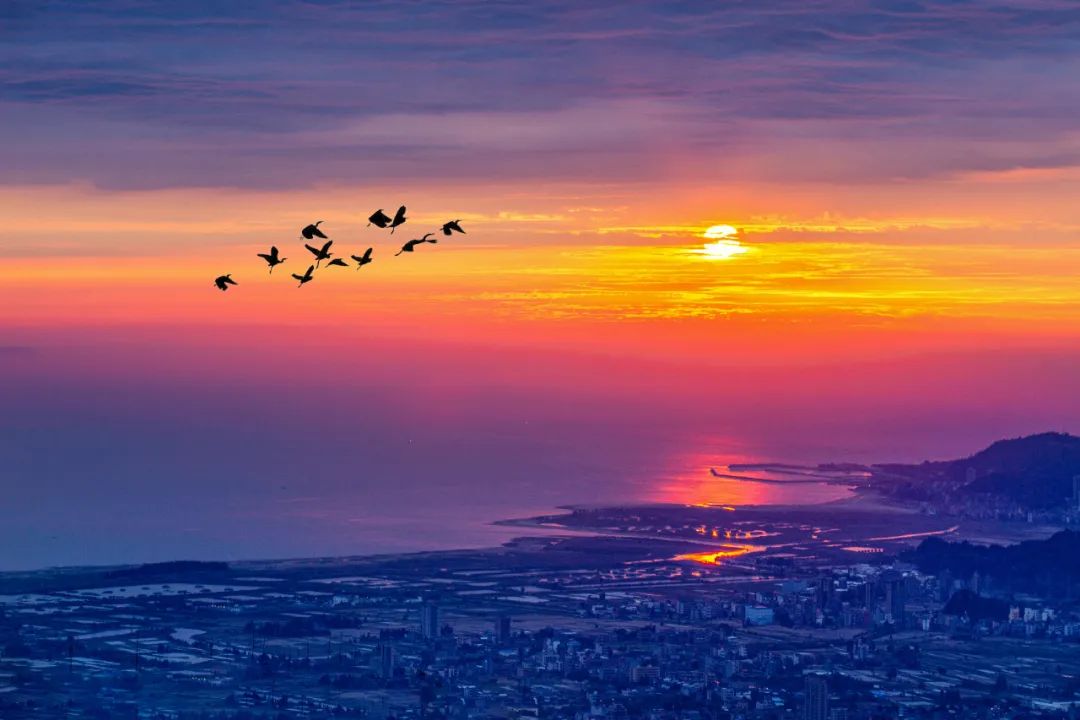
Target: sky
x=890, y=275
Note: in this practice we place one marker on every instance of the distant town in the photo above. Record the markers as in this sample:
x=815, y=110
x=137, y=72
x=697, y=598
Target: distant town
x=842, y=611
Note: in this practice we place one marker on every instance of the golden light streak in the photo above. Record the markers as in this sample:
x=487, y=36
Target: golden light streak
x=713, y=557
x=938, y=292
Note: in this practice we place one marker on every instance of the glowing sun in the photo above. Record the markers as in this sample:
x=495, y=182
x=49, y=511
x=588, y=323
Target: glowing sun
x=726, y=244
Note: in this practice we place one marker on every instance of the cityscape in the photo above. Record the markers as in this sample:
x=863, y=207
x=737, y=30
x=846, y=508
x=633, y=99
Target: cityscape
x=657, y=612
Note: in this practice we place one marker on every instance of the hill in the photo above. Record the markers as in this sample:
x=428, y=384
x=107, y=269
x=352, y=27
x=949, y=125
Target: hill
x=1035, y=471
x=1050, y=566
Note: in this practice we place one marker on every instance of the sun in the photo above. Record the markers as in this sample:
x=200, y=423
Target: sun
x=726, y=246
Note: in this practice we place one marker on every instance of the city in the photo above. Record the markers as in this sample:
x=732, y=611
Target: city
x=581, y=627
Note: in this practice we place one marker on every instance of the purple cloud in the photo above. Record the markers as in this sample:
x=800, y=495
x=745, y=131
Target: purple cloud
x=284, y=93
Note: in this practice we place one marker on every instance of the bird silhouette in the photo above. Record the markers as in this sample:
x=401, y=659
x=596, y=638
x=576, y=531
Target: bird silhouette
x=362, y=260
x=272, y=257
x=313, y=231
x=379, y=218
x=322, y=253
x=306, y=277
x=337, y=261
x=451, y=227
x=399, y=219
x=408, y=247
x=224, y=281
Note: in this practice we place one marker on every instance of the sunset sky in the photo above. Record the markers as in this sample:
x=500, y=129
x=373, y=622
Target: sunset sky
x=900, y=277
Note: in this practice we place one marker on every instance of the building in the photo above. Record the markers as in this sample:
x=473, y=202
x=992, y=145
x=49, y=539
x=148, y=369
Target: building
x=870, y=593
x=645, y=674
x=816, y=690
x=429, y=621
x=758, y=615
x=824, y=592
x=895, y=597
x=503, y=633
x=386, y=661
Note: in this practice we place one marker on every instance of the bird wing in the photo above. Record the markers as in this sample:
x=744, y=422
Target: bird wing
x=312, y=250
x=229, y=280
x=317, y=232
x=274, y=251
x=367, y=253
x=306, y=232
x=267, y=258
x=399, y=217
x=326, y=247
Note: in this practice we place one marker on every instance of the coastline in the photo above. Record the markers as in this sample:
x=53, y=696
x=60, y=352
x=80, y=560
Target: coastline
x=865, y=504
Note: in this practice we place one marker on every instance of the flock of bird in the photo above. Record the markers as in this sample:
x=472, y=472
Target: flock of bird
x=321, y=253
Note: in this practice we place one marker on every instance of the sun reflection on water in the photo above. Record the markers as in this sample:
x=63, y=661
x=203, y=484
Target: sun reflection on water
x=713, y=557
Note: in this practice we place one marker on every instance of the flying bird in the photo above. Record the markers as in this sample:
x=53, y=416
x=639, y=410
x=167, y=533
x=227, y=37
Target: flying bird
x=362, y=260
x=272, y=257
x=337, y=261
x=399, y=219
x=306, y=277
x=322, y=253
x=451, y=227
x=379, y=218
x=408, y=247
x=313, y=231
x=224, y=281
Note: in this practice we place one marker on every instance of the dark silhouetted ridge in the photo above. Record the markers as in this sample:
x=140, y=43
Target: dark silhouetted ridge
x=1035, y=471
x=1051, y=565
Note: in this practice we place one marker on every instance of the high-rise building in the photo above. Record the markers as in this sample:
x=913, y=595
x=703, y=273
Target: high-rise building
x=870, y=593
x=429, y=621
x=816, y=690
x=502, y=629
x=824, y=591
x=895, y=596
x=386, y=660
